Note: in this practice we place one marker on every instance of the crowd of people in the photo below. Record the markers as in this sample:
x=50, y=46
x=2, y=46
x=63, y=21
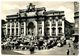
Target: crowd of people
x=31, y=43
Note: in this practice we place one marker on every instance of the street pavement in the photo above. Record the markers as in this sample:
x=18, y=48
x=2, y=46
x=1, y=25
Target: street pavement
x=53, y=51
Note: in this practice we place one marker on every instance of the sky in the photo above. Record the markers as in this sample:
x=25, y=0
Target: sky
x=9, y=7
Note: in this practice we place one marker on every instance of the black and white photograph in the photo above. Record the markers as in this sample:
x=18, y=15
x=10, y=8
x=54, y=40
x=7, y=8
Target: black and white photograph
x=39, y=27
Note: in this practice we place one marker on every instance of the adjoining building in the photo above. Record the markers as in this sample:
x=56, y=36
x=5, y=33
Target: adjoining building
x=76, y=19
x=39, y=23
x=3, y=28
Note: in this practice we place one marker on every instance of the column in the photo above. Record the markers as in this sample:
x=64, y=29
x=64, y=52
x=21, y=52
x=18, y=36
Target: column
x=42, y=28
x=63, y=28
x=50, y=28
x=14, y=28
x=27, y=28
x=24, y=28
x=10, y=28
x=19, y=29
x=6, y=28
x=56, y=27
x=36, y=29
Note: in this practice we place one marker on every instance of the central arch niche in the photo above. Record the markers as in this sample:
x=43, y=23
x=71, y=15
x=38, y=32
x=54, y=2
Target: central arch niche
x=31, y=27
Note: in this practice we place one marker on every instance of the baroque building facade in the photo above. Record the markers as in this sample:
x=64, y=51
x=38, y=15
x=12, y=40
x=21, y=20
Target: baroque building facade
x=37, y=22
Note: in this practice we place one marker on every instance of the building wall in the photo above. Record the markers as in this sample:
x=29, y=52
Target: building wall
x=76, y=19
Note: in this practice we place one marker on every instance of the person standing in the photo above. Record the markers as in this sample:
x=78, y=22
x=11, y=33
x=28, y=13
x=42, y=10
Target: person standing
x=31, y=49
x=68, y=52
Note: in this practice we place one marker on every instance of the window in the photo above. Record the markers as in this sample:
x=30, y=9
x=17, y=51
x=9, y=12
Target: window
x=16, y=31
x=60, y=30
x=59, y=22
x=22, y=31
x=22, y=24
x=40, y=30
x=76, y=25
x=47, y=23
x=12, y=31
x=17, y=24
x=53, y=30
x=8, y=31
x=53, y=20
x=39, y=22
x=47, y=30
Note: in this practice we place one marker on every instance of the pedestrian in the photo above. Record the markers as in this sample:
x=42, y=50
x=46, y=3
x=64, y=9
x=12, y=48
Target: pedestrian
x=67, y=51
x=73, y=53
x=31, y=49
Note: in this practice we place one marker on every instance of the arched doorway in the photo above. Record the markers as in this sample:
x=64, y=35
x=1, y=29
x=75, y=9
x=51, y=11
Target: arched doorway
x=31, y=27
